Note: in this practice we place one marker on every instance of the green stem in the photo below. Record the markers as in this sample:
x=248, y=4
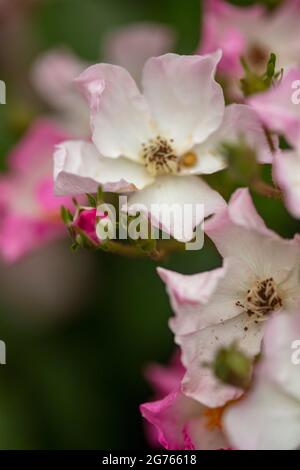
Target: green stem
x=266, y=189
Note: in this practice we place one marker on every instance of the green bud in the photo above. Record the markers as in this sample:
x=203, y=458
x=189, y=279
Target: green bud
x=232, y=367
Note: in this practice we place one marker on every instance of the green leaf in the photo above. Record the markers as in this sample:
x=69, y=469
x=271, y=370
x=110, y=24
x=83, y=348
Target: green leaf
x=66, y=215
x=91, y=199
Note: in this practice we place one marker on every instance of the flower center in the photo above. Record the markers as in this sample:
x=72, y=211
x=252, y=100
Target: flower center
x=261, y=300
x=159, y=156
x=214, y=418
x=188, y=160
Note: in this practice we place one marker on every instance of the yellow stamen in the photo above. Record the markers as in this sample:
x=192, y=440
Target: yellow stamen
x=214, y=417
x=189, y=159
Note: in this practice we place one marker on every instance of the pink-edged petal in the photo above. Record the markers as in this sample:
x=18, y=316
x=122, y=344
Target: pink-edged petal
x=180, y=422
x=279, y=107
x=130, y=46
x=176, y=204
x=78, y=169
x=237, y=218
x=286, y=172
x=121, y=120
x=170, y=416
x=34, y=150
x=186, y=101
x=264, y=420
x=188, y=293
x=239, y=232
x=199, y=350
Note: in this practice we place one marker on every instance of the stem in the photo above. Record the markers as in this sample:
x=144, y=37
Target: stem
x=130, y=251
x=269, y=139
x=266, y=189
x=165, y=247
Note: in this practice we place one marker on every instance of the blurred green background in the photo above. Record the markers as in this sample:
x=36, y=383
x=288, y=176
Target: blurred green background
x=76, y=382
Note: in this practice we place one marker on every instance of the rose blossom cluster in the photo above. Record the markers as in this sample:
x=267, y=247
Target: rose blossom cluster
x=247, y=311
x=155, y=127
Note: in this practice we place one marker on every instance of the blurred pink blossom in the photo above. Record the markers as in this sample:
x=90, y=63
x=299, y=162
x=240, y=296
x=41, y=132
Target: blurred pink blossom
x=130, y=46
x=279, y=107
x=279, y=110
x=30, y=213
x=252, y=32
x=52, y=76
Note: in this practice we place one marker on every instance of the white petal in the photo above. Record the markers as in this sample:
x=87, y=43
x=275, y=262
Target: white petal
x=265, y=420
x=240, y=121
x=239, y=232
x=188, y=293
x=184, y=201
x=78, y=168
x=201, y=347
x=186, y=101
x=121, y=119
x=238, y=218
x=281, y=336
x=286, y=171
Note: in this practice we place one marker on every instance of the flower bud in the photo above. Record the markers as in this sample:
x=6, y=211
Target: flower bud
x=232, y=367
x=85, y=221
